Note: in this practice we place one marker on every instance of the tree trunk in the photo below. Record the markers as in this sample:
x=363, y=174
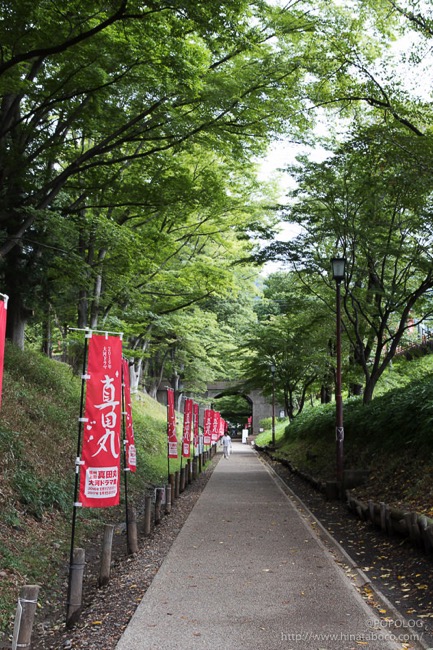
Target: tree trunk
x=83, y=305
x=153, y=390
x=356, y=389
x=16, y=284
x=288, y=403
x=325, y=394
x=97, y=291
x=47, y=339
x=369, y=390
x=17, y=318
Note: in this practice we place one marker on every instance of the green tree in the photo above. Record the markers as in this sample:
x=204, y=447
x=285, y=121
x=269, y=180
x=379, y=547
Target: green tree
x=379, y=216
x=95, y=98
x=196, y=344
x=293, y=335
x=87, y=92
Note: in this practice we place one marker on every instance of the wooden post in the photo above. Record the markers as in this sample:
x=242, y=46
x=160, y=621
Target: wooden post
x=107, y=544
x=182, y=480
x=75, y=595
x=158, y=501
x=176, y=484
x=200, y=462
x=194, y=468
x=147, y=514
x=189, y=465
x=167, y=499
x=26, y=608
x=132, y=542
x=172, y=484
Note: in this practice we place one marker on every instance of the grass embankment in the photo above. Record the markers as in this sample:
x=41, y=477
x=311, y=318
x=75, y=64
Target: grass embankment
x=392, y=437
x=38, y=442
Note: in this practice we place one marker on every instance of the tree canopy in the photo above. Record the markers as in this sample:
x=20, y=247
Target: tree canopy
x=129, y=199
x=378, y=216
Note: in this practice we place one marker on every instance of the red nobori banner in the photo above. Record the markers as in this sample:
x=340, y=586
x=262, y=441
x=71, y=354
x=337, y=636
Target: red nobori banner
x=216, y=416
x=100, y=456
x=3, y=313
x=187, y=428
x=130, y=451
x=196, y=417
x=171, y=425
x=207, y=434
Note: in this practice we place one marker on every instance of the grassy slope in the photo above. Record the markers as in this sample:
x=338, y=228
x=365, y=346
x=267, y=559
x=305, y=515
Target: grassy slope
x=392, y=437
x=38, y=440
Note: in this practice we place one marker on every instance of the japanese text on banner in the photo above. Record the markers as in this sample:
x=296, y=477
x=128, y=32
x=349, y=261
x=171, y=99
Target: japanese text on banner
x=207, y=435
x=100, y=456
x=171, y=425
x=187, y=428
x=196, y=424
x=130, y=452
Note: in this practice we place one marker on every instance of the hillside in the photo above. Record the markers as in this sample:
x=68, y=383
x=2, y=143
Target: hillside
x=38, y=440
x=391, y=438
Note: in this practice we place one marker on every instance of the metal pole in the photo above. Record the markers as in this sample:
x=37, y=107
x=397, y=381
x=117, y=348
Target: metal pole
x=125, y=463
x=168, y=442
x=273, y=409
x=77, y=470
x=338, y=397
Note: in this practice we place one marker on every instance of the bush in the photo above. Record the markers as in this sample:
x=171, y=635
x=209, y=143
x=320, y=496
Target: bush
x=398, y=423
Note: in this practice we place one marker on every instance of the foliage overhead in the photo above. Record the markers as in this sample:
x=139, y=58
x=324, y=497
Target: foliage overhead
x=379, y=217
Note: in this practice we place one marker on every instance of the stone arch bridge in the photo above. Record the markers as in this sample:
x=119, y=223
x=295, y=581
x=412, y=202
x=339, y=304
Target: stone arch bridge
x=261, y=407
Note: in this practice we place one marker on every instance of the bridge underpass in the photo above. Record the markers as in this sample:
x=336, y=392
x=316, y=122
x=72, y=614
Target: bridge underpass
x=260, y=406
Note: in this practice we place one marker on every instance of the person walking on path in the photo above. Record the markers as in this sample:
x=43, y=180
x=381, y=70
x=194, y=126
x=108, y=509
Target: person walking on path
x=227, y=445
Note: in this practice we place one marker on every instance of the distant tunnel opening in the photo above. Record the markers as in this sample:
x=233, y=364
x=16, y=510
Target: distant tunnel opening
x=236, y=409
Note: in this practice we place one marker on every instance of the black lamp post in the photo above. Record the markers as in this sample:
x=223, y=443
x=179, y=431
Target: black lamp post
x=273, y=369
x=338, y=273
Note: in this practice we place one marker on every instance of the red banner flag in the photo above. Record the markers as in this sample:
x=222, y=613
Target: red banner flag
x=100, y=456
x=3, y=313
x=215, y=425
x=187, y=428
x=196, y=418
x=130, y=451
x=208, y=417
x=171, y=425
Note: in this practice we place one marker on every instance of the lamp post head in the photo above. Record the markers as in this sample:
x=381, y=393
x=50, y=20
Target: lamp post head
x=273, y=369
x=338, y=268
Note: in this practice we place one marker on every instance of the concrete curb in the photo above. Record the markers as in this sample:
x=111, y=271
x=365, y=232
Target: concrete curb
x=360, y=578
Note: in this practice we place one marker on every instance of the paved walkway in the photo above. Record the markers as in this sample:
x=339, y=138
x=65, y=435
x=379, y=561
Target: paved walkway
x=248, y=572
